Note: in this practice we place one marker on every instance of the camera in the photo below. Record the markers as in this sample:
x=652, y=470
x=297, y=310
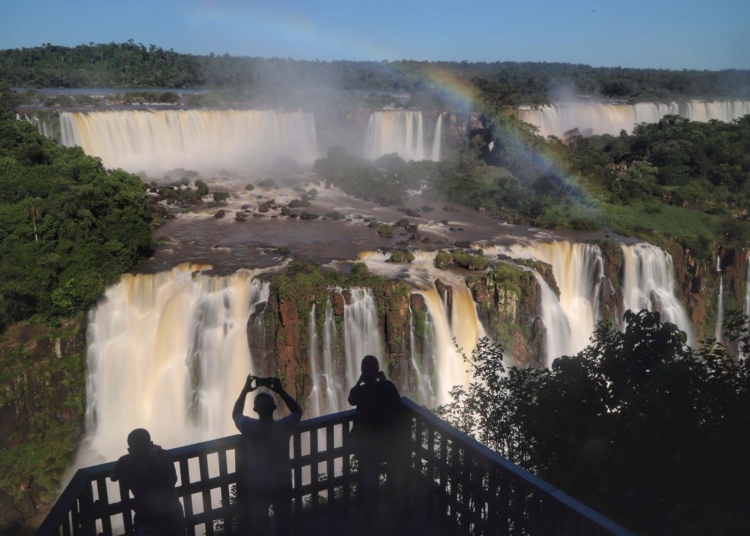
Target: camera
x=263, y=382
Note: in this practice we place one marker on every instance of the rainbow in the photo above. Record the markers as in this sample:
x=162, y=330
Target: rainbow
x=302, y=33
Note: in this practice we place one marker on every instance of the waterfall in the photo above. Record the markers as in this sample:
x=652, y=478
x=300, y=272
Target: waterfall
x=401, y=132
x=361, y=332
x=167, y=352
x=557, y=119
x=579, y=270
x=423, y=365
x=312, y=355
x=325, y=397
x=437, y=140
x=463, y=326
x=203, y=140
x=719, y=332
x=649, y=284
x=557, y=340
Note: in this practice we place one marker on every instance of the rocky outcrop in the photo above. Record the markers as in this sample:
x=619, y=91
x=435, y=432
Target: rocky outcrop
x=509, y=301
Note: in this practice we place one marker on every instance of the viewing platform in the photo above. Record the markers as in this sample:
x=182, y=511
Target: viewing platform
x=455, y=486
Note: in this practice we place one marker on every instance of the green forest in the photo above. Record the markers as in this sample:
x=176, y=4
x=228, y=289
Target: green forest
x=638, y=426
x=135, y=65
x=68, y=227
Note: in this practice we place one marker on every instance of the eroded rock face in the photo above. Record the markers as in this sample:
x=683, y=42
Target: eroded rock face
x=41, y=414
x=509, y=302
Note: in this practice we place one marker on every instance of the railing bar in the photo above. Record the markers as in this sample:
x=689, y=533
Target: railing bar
x=314, y=467
x=187, y=496
x=330, y=466
x=207, y=506
x=101, y=488
x=346, y=464
x=297, y=469
x=127, y=514
x=225, y=496
x=66, y=526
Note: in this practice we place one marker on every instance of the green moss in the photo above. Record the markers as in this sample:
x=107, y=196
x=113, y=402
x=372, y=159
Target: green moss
x=400, y=256
x=469, y=261
x=52, y=390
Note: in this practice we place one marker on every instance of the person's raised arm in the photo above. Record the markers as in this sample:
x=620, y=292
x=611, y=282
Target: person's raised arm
x=291, y=403
x=354, y=391
x=239, y=406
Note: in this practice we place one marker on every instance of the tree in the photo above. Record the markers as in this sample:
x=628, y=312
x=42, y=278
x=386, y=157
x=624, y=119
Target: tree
x=638, y=425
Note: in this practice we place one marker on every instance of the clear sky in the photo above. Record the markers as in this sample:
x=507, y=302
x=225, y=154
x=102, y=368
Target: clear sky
x=675, y=34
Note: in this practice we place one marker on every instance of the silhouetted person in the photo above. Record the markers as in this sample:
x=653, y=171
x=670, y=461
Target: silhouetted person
x=269, y=467
x=376, y=433
x=148, y=471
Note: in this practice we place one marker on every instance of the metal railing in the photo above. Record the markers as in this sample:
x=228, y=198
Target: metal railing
x=468, y=487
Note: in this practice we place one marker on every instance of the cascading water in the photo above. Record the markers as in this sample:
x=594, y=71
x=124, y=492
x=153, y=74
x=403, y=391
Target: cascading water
x=719, y=332
x=579, y=270
x=401, y=132
x=167, y=352
x=204, y=140
x=437, y=140
x=422, y=364
x=361, y=332
x=325, y=396
x=555, y=120
x=649, y=284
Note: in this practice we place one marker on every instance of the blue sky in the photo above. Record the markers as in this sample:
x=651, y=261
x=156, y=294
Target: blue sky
x=675, y=34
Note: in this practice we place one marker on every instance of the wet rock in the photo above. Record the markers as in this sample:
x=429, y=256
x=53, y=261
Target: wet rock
x=338, y=304
x=402, y=223
x=245, y=207
x=347, y=294
x=402, y=243
x=264, y=207
x=446, y=294
x=335, y=216
x=239, y=216
x=444, y=222
x=412, y=228
x=426, y=240
x=431, y=248
x=258, y=215
x=367, y=220
x=417, y=303
x=220, y=213
x=463, y=244
x=415, y=237
x=308, y=216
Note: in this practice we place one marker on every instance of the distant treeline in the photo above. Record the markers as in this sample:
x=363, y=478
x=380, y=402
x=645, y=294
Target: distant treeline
x=134, y=65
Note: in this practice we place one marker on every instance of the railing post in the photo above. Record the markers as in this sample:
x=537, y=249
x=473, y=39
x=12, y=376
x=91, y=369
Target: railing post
x=243, y=492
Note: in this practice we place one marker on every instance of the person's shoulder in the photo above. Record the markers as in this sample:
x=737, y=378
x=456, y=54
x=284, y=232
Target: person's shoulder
x=243, y=422
x=291, y=419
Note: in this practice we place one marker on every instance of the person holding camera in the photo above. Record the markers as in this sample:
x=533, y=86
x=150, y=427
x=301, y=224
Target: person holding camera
x=376, y=434
x=269, y=466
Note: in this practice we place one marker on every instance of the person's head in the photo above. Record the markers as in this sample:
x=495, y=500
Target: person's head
x=139, y=440
x=370, y=368
x=264, y=405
